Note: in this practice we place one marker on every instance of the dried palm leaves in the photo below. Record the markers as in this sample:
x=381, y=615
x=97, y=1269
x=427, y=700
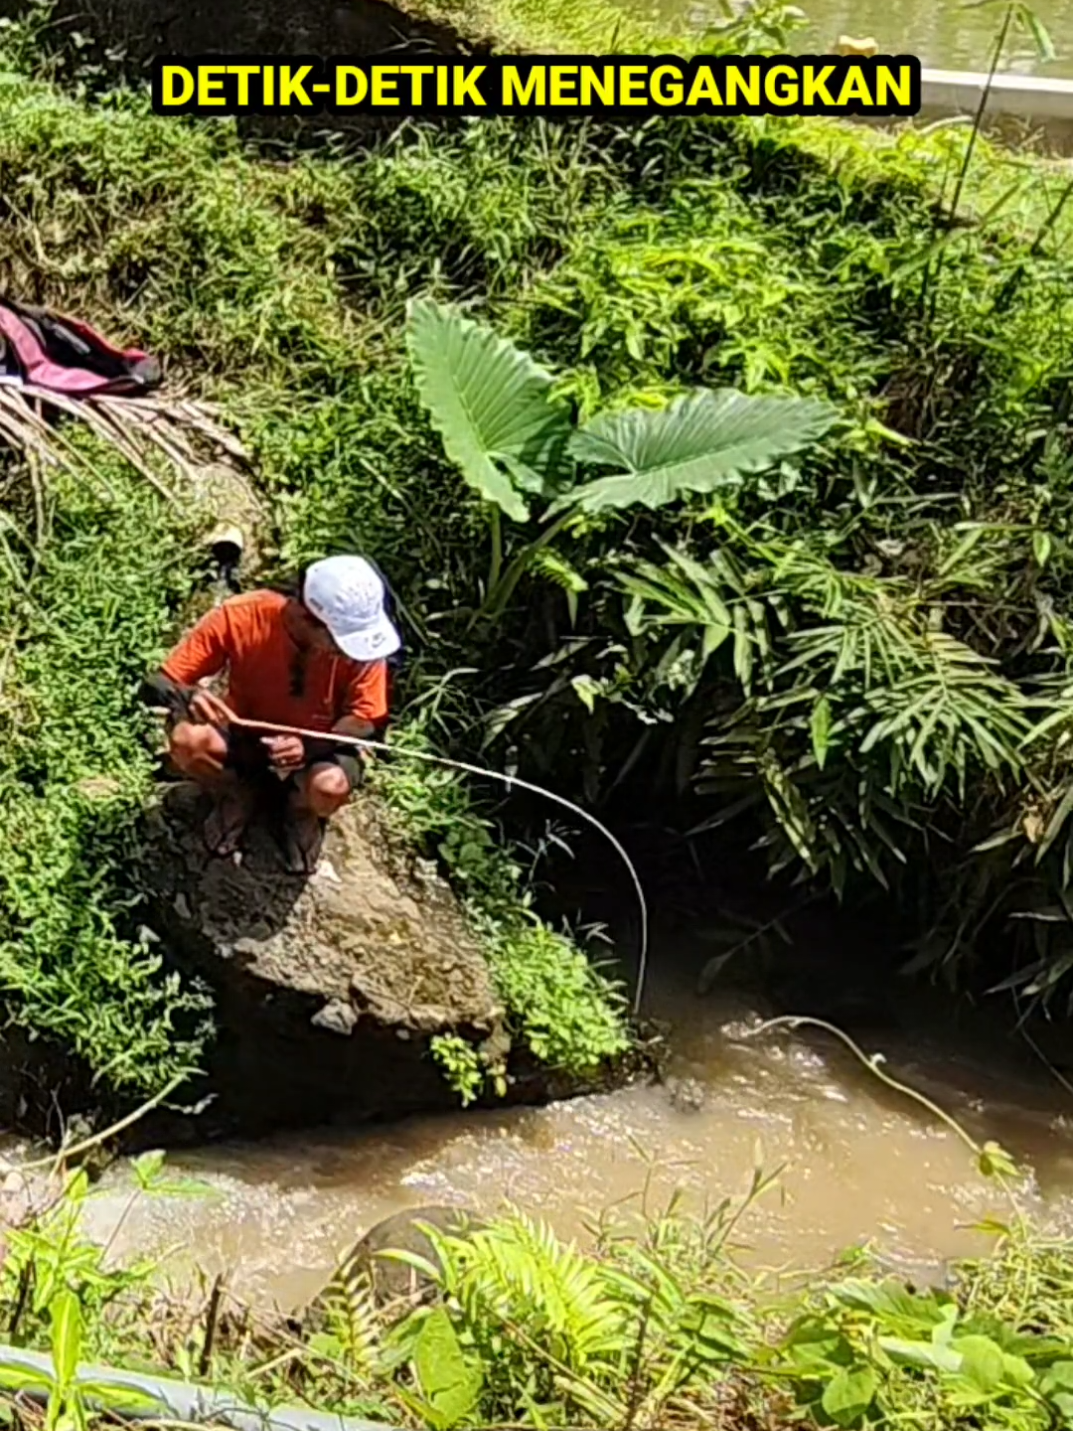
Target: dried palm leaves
x=141, y=430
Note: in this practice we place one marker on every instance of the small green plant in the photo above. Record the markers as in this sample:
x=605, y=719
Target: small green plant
x=872, y=1353
x=72, y=1399
x=567, y=1338
x=353, y=1330
x=461, y=1064
x=449, y=1382
x=569, y=1014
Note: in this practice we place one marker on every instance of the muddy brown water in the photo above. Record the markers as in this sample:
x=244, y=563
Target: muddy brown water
x=860, y=1163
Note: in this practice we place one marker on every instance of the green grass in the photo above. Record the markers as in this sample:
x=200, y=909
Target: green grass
x=545, y=26
x=76, y=773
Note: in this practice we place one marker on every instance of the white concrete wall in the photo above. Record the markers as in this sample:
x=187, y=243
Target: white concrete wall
x=1042, y=104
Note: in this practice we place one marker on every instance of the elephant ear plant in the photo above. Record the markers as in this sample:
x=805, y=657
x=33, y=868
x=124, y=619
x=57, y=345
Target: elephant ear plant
x=519, y=448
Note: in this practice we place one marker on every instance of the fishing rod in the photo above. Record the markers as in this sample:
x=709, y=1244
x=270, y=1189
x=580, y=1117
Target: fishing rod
x=376, y=747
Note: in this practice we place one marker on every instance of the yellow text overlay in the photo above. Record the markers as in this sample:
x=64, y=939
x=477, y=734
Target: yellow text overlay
x=561, y=84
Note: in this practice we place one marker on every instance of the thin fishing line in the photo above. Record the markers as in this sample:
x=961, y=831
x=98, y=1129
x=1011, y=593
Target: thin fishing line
x=509, y=781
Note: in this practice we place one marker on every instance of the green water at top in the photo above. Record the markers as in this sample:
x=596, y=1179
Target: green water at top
x=945, y=34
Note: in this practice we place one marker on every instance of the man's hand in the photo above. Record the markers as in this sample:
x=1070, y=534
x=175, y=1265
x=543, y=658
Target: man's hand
x=286, y=752
x=354, y=725
x=210, y=709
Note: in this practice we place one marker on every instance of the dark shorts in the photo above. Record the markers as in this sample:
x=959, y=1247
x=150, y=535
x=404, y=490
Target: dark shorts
x=247, y=756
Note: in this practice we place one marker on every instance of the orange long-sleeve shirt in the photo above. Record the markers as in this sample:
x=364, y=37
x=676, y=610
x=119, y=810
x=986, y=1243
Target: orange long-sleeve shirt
x=247, y=637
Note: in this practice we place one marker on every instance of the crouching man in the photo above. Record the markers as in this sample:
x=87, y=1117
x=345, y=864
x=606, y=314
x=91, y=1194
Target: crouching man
x=315, y=658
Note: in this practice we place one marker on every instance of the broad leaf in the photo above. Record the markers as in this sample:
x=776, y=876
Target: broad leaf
x=926, y=1355
x=698, y=443
x=849, y=1394
x=449, y=1383
x=489, y=402
x=893, y=1303
x=982, y=1363
x=1057, y=1383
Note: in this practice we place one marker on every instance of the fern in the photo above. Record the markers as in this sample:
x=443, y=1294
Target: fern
x=352, y=1331
x=519, y=1272
x=569, y=1338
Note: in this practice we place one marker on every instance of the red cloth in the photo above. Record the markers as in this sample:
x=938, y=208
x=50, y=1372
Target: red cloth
x=67, y=356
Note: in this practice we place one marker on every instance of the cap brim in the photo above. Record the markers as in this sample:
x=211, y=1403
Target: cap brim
x=376, y=644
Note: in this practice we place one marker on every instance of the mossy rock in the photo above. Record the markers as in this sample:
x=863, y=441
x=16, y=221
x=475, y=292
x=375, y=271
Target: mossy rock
x=328, y=988
x=366, y=1268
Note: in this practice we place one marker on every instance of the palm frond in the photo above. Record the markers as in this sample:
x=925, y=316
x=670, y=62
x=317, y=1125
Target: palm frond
x=153, y=434
x=855, y=707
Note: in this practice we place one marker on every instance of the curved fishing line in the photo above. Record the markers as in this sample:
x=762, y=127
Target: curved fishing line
x=508, y=780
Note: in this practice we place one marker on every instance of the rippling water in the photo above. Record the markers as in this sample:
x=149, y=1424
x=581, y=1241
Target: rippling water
x=860, y=1163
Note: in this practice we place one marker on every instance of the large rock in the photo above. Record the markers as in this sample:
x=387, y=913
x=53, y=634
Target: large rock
x=386, y=1278
x=328, y=988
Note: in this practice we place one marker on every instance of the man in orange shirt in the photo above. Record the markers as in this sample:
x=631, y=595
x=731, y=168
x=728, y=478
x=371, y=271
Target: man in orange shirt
x=316, y=659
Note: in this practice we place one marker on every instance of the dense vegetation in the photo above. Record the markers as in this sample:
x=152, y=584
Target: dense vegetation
x=101, y=576
x=858, y=654
x=858, y=651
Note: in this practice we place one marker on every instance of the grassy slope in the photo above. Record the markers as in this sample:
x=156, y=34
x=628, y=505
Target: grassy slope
x=76, y=770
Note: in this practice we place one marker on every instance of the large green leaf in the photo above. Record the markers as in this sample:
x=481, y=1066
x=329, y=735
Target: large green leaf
x=451, y=1384
x=849, y=1394
x=489, y=402
x=700, y=442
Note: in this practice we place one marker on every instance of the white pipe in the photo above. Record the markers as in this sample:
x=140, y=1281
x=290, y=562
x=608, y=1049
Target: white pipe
x=1023, y=96
x=181, y=1400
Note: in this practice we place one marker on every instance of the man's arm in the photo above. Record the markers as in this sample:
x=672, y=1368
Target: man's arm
x=356, y=726
x=204, y=652
x=366, y=703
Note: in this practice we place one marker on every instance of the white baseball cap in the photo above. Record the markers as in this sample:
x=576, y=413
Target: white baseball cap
x=347, y=594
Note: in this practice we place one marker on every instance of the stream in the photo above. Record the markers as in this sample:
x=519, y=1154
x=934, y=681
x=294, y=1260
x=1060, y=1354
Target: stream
x=859, y=1162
